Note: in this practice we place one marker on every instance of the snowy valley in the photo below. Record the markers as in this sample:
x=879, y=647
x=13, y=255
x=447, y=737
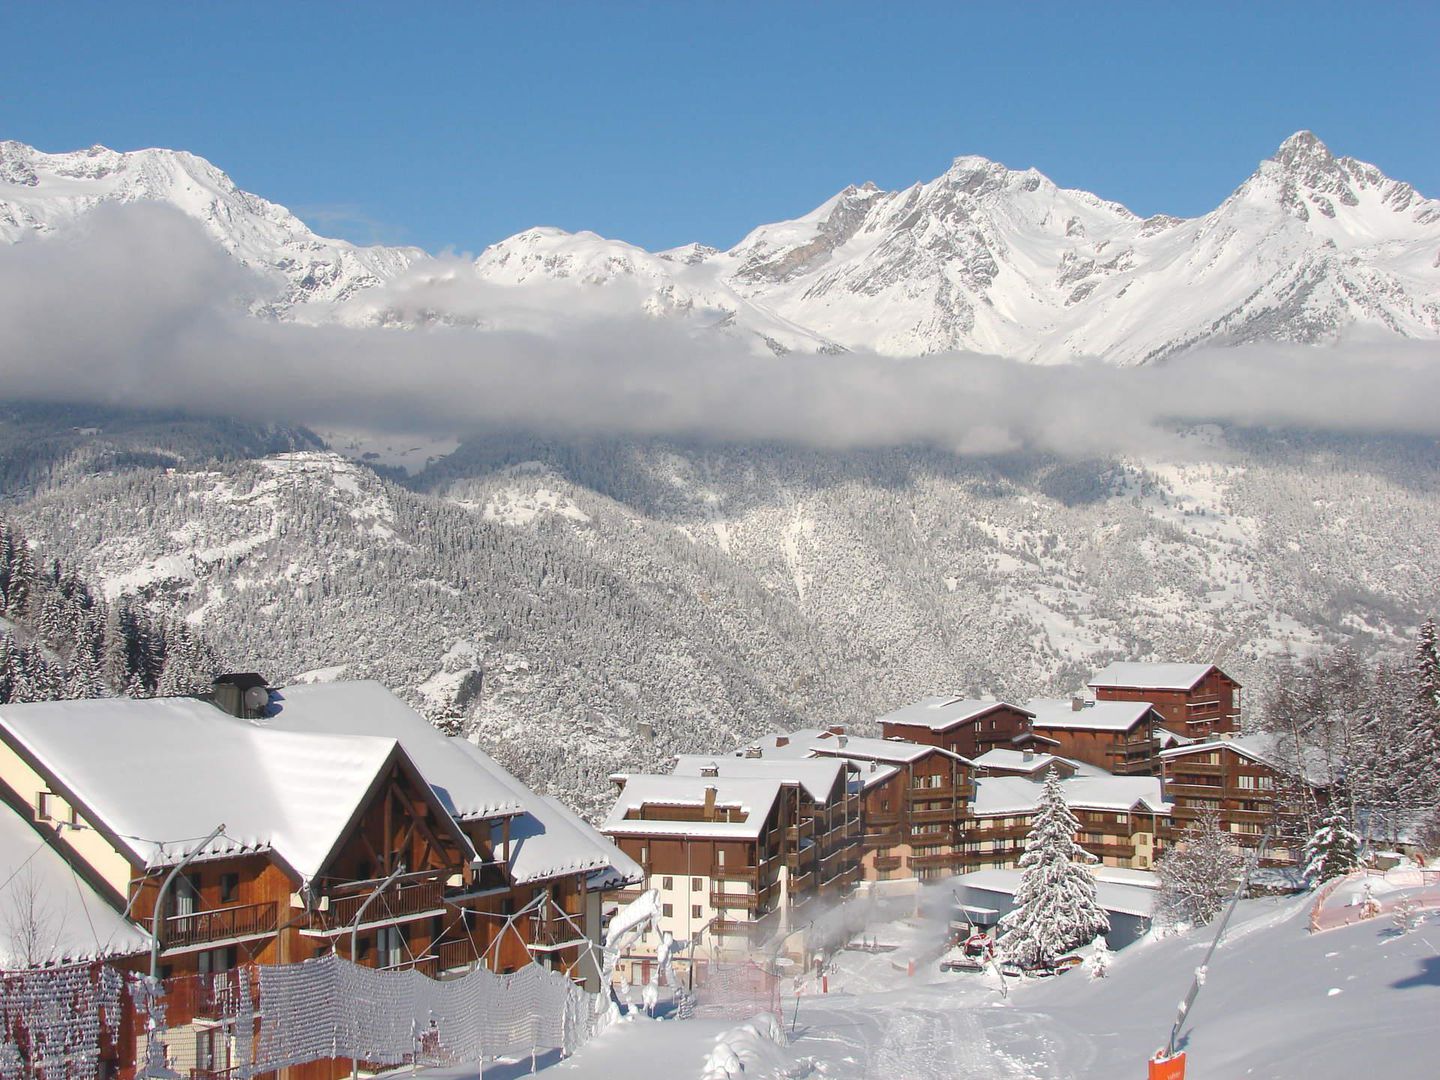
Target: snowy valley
x=591, y=607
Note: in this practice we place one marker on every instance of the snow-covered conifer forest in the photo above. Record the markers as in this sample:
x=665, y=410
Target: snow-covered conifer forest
x=592, y=605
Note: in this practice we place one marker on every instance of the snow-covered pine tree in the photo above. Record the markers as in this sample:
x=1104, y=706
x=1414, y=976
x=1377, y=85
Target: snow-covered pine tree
x=1333, y=850
x=1196, y=875
x=1056, y=908
x=1100, y=960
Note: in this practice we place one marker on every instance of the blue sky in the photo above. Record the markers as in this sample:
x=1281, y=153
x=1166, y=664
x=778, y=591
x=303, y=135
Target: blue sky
x=456, y=125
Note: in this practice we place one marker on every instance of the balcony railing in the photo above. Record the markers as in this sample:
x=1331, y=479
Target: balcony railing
x=395, y=903
x=221, y=924
x=455, y=955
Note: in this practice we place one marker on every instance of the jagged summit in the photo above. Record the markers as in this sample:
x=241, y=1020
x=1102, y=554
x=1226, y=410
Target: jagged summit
x=983, y=257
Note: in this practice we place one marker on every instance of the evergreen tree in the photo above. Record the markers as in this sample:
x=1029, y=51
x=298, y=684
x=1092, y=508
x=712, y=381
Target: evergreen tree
x=1334, y=850
x=1196, y=876
x=1056, y=909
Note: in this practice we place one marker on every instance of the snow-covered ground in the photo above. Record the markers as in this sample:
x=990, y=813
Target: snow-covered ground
x=1278, y=1002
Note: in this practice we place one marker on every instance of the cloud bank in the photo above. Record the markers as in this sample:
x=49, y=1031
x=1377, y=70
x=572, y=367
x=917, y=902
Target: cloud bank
x=139, y=308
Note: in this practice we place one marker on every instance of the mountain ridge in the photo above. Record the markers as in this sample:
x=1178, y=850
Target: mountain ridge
x=1309, y=248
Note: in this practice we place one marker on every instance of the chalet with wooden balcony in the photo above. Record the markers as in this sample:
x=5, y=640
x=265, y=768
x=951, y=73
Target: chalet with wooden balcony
x=309, y=820
x=1123, y=819
x=963, y=726
x=1193, y=700
x=1244, y=781
x=722, y=853
x=1121, y=737
x=821, y=805
x=914, y=797
x=540, y=870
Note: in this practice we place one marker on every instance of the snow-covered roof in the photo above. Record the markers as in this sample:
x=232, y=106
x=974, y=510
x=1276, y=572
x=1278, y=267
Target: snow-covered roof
x=818, y=776
x=72, y=922
x=1019, y=761
x=548, y=839
x=1005, y=795
x=366, y=707
x=752, y=798
x=942, y=713
x=1113, y=896
x=290, y=793
x=1138, y=676
x=898, y=751
x=1094, y=716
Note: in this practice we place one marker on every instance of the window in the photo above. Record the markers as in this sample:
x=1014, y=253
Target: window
x=391, y=943
x=695, y=884
x=667, y=882
x=695, y=911
x=229, y=888
x=644, y=854
x=667, y=911
x=214, y=961
x=720, y=856
x=187, y=894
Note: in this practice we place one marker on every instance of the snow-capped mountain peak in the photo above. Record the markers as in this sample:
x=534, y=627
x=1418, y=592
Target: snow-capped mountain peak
x=42, y=192
x=983, y=257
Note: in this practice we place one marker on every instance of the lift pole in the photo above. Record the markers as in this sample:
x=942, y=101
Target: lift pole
x=160, y=899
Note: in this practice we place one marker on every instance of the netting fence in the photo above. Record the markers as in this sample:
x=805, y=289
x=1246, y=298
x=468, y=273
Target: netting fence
x=734, y=991
x=1370, y=894
x=255, y=1019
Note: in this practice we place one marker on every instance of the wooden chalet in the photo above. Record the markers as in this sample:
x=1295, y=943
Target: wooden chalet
x=322, y=802
x=1121, y=737
x=914, y=798
x=963, y=726
x=736, y=844
x=1242, y=780
x=1123, y=820
x=1193, y=700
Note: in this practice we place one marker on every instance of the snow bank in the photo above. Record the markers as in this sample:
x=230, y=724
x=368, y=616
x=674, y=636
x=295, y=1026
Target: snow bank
x=754, y=1048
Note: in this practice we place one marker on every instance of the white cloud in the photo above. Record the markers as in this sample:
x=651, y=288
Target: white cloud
x=139, y=308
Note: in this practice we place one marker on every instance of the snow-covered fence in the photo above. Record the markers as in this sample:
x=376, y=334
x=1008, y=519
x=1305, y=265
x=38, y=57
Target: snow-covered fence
x=1369, y=894
x=57, y=1021
x=735, y=991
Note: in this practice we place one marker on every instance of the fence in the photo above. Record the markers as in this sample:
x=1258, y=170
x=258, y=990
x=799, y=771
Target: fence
x=1369, y=894
x=61, y=1022
x=735, y=991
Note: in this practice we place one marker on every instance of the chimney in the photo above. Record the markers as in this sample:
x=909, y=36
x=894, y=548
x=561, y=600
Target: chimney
x=754, y=751
x=242, y=694
x=782, y=740
x=842, y=740
x=836, y=729
x=710, y=770
x=1029, y=754
x=710, y=792
x=1076, y=704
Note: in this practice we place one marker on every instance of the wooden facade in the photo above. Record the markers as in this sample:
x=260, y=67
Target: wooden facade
x=1225, y=778
x=1209, y=707
x=995, y=725
x=730, y=874
x=454, y=903
x=1132, y=751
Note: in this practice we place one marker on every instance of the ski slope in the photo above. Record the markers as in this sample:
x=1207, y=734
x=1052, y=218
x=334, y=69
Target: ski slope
x=1278, y=1003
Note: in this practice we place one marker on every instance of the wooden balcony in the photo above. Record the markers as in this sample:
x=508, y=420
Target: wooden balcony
x=221, y=924
x=888, y=862
x=879, y=840
x=456, y=955
x=401, y=901
x=947, y=814
x=731, y=900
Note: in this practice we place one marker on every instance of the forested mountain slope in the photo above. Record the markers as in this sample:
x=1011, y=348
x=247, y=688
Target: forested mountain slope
x=626, y=601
